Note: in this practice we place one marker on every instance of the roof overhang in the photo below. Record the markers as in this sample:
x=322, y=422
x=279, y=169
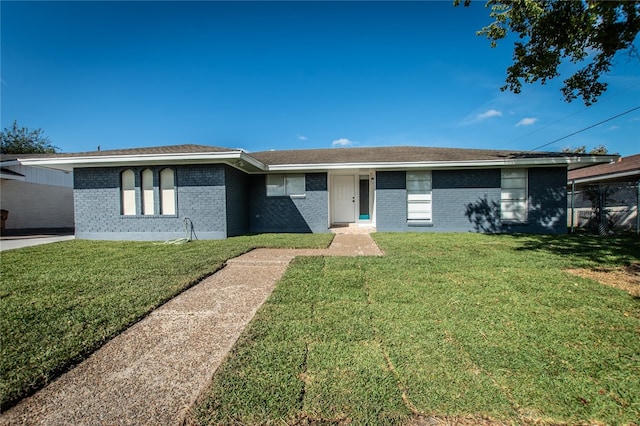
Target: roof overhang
x=244, y=161
x=570, y=162
x=10, y=174
x=606, y=177
x=238, y=159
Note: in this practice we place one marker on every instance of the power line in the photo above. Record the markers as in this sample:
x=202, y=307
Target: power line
x=586, y=128
x=626, y=89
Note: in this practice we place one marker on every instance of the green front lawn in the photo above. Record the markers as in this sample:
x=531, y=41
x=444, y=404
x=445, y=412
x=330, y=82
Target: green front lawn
x=59, y=302
x=445, y=325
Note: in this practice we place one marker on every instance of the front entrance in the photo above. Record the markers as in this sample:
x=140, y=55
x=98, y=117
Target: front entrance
x=343, y=199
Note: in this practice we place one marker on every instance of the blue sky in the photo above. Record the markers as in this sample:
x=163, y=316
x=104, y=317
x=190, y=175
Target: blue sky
x=288, y=75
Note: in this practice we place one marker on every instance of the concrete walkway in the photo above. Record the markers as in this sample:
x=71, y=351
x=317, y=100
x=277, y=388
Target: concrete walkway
x=153, y=372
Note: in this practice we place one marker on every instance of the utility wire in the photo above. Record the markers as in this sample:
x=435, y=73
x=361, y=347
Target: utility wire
x=586, y=128
x=570, y=115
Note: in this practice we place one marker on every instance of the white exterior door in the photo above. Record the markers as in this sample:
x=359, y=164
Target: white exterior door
x=343, y=199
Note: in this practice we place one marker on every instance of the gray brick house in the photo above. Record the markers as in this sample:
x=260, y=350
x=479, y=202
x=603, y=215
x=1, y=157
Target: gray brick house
x=146, y=193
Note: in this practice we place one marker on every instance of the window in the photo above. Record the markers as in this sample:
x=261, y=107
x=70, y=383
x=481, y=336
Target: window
x=279, y=185
x=167, y=192
x=513, y=196
x=128, y=193
x=364, y=198
x=148, y=202
x=419, y=196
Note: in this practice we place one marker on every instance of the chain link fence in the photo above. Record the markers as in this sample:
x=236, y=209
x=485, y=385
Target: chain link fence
x=604, y=209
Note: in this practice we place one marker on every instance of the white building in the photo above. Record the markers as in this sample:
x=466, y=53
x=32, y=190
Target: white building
x=37, y=199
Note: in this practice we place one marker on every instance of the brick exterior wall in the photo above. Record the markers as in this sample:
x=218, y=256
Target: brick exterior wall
x=391, y=201
x=469, y=201
x=222, y=201
x=547, y=202
x=200, y=195
x=237, y=193
x=290, y=214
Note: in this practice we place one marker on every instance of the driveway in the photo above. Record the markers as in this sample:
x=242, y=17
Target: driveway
x=16, y=242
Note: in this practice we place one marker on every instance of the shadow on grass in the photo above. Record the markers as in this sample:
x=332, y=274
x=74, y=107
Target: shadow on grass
x=586, y=249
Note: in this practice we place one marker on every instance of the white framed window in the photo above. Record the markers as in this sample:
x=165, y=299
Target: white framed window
x=128, y=193
x=167, y=192
x=148, y=201
x=419, y=196
x=513, y=195
x=281, y=185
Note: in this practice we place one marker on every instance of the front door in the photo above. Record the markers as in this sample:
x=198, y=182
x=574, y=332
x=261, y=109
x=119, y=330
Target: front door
x=343, y=199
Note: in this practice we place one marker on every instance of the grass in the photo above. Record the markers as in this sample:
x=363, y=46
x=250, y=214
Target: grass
x=59, y=302
x=450, y=326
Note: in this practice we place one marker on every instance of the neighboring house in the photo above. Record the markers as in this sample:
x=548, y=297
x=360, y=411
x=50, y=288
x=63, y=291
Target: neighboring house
x=611, y=187
x=146, y=193
x=36, y=199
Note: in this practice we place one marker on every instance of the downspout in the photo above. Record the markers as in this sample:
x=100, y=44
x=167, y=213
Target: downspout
x=573, y=192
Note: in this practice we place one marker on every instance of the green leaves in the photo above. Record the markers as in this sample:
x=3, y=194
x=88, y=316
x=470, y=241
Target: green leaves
x=20, y=140
x=555, y=31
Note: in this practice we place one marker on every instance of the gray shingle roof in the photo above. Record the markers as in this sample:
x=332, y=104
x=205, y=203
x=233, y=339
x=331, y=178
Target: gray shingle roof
x=391, y=154
x=169, y=149
x=624, y=164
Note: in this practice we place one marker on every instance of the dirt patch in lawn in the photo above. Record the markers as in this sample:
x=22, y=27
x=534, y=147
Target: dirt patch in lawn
x=454, y=421
x=626, y=278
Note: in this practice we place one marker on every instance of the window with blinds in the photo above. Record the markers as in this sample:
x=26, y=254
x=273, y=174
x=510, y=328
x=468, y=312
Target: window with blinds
x=419, y=196
x=513, y=195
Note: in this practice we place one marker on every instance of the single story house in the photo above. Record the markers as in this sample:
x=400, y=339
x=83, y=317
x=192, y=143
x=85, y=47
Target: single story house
x=611, y=186
x=146, y=193
x=34, y=200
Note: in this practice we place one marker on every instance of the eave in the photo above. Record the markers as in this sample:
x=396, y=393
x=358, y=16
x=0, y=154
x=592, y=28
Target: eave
x=605, y=177
x=571, y=162
x=248, y=164
x=11, y=175
x=238, y=159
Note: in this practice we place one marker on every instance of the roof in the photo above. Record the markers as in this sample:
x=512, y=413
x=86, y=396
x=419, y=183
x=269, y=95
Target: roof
x=624, y=167
x=155, y=150
x=393, y=157
x=389, y=154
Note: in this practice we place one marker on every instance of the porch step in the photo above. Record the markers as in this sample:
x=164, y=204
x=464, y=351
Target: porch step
x=351, y=228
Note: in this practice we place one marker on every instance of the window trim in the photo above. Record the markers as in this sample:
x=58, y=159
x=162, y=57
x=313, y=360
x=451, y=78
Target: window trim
x=128, y=199
x=147, y=194
x=285, y=185
x=162, y=190
x=135, y=200
x=524, y=200
x=424, y=198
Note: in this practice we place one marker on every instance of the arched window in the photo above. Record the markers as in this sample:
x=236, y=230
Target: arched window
x=148, y=202
x=128, y=192
x=167, y=192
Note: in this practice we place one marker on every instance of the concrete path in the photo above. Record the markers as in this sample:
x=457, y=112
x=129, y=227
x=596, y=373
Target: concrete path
x=153, y=372
x=12, y=243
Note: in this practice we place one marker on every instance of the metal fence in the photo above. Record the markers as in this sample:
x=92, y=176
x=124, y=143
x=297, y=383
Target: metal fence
x=605, y=209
